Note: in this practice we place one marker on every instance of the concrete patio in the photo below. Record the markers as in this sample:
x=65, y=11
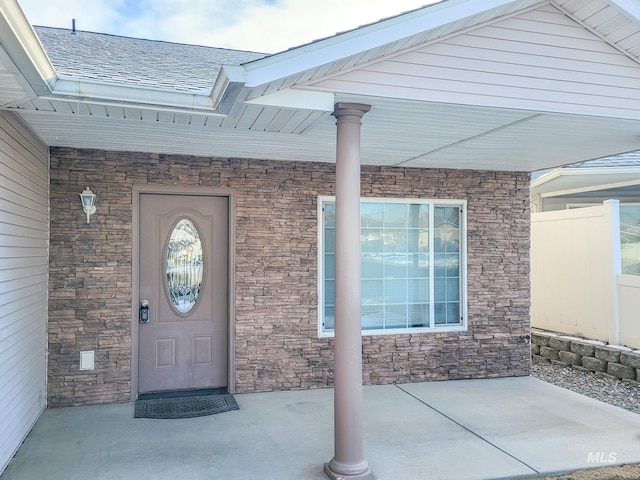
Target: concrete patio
x=456, y=430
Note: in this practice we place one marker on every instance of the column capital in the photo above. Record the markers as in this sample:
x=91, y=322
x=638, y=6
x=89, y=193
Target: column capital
x=352, y=109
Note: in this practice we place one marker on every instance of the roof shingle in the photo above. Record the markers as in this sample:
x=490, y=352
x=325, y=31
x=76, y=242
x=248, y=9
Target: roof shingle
x=137, y=62
x=631, y=159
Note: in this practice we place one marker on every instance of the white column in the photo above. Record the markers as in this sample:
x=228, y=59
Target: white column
x=348, y=461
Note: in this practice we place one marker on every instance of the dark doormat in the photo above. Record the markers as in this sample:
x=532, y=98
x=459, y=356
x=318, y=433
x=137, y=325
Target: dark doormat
x=187, y=405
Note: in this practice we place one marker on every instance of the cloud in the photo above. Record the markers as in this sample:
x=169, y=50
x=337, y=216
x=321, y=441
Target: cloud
x=92, y=15
x=259, y=25
x=290, y=23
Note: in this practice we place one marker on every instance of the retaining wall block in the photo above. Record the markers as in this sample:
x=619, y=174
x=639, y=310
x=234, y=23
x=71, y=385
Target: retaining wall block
x=560, y=343
x=583, y=349
x=541, y=339
x=594, y=364
x=535, y=349
x=570, y=358
x=621, y=371
x=548, y=352
x=630, y=359
x=608, y=354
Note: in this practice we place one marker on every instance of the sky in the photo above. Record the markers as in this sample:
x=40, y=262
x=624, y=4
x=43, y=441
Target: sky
x=266, y=26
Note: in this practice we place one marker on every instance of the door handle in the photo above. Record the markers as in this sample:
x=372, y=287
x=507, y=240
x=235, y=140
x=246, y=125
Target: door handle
x=143, y=313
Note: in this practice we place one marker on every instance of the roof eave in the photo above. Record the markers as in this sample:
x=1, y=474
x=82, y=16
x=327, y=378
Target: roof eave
x=95, y=92
x=229, y=89
x=25, y=50
x=544, y=184
x=546, y=178
x=227, y=92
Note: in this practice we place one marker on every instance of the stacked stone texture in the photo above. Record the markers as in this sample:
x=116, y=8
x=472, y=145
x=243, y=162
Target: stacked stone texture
x=276, y=303
x=595, y=356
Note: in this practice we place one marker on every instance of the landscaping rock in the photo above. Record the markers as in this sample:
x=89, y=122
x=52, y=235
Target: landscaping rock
x=613, y=378
x=601, y=386
x=538, y=359
x=581, y=369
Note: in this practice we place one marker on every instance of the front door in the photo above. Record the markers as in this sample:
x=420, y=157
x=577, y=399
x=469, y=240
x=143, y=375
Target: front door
x=183, y=255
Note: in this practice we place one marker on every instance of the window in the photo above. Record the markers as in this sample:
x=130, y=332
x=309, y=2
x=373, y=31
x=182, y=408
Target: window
x=630, y=239
x=413, y=273
x=184, y=266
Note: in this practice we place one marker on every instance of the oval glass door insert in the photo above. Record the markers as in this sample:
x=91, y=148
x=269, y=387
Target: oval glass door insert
x=184, y=266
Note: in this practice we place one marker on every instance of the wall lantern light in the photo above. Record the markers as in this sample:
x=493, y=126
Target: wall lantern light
x=88, y=202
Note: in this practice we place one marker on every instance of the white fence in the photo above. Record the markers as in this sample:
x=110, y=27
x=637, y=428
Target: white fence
x=576, y=284
x=629, y=309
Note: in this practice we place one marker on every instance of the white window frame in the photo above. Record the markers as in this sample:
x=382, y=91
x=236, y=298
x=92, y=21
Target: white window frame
x=620, y=207
x=462, y=326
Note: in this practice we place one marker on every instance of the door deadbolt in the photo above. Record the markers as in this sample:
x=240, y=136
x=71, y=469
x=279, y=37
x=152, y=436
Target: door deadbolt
x=143, y=314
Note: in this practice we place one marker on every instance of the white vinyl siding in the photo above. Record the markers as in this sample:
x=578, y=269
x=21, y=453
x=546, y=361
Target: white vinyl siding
x=24, y=227
x=518, y=62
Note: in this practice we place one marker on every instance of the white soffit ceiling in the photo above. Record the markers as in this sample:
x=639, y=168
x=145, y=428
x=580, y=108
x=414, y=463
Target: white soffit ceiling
x=419, y=133
x=10, y=88
x=409, y=134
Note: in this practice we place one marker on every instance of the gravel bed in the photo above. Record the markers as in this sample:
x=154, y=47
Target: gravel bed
x=615, y=392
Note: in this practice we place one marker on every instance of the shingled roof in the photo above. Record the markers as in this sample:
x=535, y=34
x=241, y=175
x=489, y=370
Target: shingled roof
x=137, y=62
x=631, y=159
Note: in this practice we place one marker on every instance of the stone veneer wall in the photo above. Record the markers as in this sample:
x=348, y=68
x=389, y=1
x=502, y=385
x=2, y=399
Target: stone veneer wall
x=276, y=342
x=612, y=361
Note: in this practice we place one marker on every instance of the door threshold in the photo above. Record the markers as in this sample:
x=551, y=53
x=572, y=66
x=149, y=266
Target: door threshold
x=183, y=393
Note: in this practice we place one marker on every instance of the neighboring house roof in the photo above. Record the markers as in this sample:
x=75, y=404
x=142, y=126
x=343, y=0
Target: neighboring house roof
x=136, y=62
x=631, y=159
x=477, y=84
x=610, y=177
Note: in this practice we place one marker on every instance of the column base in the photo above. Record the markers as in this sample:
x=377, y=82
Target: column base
x=339, y=471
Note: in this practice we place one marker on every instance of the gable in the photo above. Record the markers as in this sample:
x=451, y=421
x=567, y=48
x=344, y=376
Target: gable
x=537, y=60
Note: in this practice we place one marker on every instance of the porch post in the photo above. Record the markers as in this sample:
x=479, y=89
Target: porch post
x=348, y=461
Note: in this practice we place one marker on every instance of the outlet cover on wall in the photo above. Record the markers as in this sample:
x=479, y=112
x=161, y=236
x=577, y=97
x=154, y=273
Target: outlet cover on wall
x=87, y=360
